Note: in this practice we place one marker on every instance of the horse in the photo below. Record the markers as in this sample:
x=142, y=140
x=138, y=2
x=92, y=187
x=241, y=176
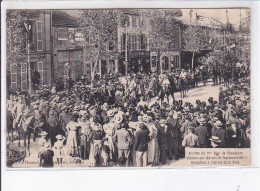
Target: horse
x=10, y=129
x=25, y=128
x=182, y=84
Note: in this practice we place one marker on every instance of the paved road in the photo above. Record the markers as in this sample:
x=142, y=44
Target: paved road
x=202, y=93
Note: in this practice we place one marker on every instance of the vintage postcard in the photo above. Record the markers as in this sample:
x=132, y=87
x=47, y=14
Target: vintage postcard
x=159, y=88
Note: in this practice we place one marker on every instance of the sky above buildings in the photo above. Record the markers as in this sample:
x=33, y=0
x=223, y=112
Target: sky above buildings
x=217, y=14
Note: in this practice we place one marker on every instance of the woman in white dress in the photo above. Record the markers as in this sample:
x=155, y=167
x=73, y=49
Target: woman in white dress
x=58, y=149
x=72, y=143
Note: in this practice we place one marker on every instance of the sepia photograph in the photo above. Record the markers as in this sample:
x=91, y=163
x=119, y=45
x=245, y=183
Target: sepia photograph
x=159, y=88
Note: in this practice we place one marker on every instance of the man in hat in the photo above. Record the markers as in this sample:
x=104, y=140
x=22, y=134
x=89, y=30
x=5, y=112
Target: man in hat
x=141, y=145
x=190, y=140
x=233, y=135
x=18, y=110
x=47, y=156
x=162, y=140
x=221, y=133
x=173, y=136
x=123, y=139
x=53, y=126
x=203, y=134
x=187, y=123
x=215, y=141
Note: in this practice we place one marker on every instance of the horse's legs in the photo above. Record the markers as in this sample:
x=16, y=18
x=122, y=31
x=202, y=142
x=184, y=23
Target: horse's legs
x=19, y=144
x=29, y=136
x=12, y=134
x=24, y=139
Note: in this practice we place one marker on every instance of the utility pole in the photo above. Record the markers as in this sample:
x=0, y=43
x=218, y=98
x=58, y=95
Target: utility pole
x=28, y=28
x=126, y=61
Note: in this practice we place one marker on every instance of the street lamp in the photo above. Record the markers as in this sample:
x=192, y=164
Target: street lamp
x=126, y=60
x=28, y=28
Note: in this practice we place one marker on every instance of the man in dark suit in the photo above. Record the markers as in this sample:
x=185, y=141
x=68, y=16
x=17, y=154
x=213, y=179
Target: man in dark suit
x=141, y=145
x=203, y=134
x=174, y=126
x=221, y=133
x=162, y=140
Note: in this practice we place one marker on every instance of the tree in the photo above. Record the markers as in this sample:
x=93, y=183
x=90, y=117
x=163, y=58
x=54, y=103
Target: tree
x=163, y=26
x=15, y=37
x=16, y=41
x=99, y=27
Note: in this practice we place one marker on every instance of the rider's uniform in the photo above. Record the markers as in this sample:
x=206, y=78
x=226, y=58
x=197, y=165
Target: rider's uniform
x=183, y=75
x=18, y=111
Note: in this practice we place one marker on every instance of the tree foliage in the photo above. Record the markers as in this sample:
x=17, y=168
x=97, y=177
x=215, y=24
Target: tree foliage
x=99, y=27
x=163, y=26
x=15, y=37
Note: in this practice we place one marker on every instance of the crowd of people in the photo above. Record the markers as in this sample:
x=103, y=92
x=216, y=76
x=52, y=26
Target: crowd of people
x=131, y=121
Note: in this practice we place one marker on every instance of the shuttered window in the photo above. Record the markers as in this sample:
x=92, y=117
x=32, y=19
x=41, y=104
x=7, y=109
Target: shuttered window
x=39, y=35
x=14, y=75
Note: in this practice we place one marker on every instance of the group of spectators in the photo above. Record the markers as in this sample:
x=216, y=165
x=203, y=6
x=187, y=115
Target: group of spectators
x=131, y=121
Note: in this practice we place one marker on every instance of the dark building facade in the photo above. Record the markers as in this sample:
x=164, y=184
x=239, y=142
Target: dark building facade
x=40, y=53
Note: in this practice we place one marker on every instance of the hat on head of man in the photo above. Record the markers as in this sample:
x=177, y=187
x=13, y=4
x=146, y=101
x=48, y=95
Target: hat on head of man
x=215, y=139
x=110, y=113
x=218, y=123
x=202, y=120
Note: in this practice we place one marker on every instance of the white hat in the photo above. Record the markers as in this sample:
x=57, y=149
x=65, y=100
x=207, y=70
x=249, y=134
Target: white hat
x=43, y=133
x=218, y=123
x=59, y=137
x=82, y=112
x=202, y=120
x=215, y=139
x=118, y=118
x=110, y=113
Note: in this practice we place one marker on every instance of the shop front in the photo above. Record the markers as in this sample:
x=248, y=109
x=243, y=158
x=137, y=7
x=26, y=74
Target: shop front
x=169, y=61
x=138, y=61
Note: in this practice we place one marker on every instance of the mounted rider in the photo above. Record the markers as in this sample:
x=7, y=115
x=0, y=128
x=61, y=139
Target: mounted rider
x=18, y=111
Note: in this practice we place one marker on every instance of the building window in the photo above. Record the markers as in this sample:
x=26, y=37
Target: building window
x=135, y=21
x=134, y=42
x=176, y=61
x=143, y=42
x=14, y=75
x=23, y=77
x=111, y=45
x=39, y=35
x=63, y=34
x=154, y=58
x=79, y=36
x=40, y=70
x=112, y=66
x=165, y=63
x=125, y=20
x=103, y=66
x=71, y=35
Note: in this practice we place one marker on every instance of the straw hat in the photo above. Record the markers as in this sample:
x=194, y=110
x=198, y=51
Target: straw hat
x=43, y=133
x=218, y=123
x=215, y=139
x=110, y=113
x=59, y=137
x=118, y=118
x=202, y=120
